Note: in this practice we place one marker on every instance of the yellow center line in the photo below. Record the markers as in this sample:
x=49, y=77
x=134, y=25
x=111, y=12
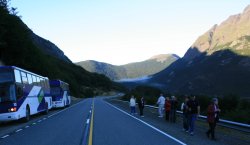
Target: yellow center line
x=91, y=125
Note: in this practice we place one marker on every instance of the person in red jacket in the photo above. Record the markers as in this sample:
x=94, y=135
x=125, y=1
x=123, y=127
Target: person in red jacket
x=212, y=117
x=167, y=107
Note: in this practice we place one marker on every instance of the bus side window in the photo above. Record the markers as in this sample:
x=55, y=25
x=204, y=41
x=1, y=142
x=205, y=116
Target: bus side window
x=34, y=80
x=24, y=78
x=17, y=76
x=29, y=78
x=38, y=81
x=19, y=92
x=42, y=82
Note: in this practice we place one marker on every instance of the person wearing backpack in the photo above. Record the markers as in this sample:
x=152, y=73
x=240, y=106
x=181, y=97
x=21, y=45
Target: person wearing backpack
x=212, y=117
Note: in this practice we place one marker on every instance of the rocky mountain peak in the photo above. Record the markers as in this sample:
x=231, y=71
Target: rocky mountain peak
x=247, y=10
x=233, y=28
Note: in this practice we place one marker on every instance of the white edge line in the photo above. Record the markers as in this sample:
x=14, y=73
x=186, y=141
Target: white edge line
x=87, y=121
x=5, y=136
x=45, y=118
x=148, y=125
x=19, y=130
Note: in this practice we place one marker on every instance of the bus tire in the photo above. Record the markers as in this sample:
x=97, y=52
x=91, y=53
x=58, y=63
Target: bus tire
x=27, y=116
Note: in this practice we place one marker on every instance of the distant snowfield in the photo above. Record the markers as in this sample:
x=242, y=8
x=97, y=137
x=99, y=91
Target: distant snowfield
x=139, y=79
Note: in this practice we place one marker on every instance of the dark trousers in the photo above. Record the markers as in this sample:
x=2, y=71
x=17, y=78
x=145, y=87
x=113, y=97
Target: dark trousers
x=132, y=109
x=211, y=129
x=167, y=115
x=141, y=111
x=191, y=122
x=173, y=115
x=185, y=121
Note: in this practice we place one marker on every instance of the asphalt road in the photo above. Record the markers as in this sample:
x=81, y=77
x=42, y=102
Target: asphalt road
x=115, y=127
x=65, y=127
x=224, y=135
x=111, y=126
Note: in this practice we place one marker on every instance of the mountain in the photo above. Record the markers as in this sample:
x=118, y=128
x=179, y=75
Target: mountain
x=151, y=66
x=20, y=47
x=218, y=63
x=131, y=70
x=109, y=70
x=229, y=31
x=48, y=47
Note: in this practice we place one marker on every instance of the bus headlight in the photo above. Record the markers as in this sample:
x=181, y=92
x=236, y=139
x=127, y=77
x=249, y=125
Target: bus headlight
x=13, y=109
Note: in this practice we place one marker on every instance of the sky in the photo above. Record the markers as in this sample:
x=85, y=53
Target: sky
x=124, y=31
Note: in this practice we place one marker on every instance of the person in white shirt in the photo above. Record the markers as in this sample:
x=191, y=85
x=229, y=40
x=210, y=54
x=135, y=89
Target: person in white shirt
x=161, y=103
x=132, y=104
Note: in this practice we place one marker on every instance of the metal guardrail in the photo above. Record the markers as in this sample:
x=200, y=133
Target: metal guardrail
x=222, y=122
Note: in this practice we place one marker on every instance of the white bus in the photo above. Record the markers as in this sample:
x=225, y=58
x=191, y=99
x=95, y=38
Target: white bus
x=60, y=93
x=22, y=93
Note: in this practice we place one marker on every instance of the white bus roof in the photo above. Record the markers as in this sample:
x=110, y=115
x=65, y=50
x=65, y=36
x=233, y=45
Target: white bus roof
x=17, y=68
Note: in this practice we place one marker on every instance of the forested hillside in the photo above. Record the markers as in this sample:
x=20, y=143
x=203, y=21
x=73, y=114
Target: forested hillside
x=18, y=48
x=131, y=70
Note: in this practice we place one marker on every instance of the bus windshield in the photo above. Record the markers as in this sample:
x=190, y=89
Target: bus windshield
x=55, y=91
x=7, y=92
x=6, y=76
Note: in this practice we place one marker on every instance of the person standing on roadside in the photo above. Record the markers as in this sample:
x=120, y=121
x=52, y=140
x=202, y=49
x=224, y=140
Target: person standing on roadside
x=161, y=102
x=212, y=117
x=193, y=113
x=141, y=104
x=167, y=108
x=174, y=104
x=132, y=104
x=184, y=109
